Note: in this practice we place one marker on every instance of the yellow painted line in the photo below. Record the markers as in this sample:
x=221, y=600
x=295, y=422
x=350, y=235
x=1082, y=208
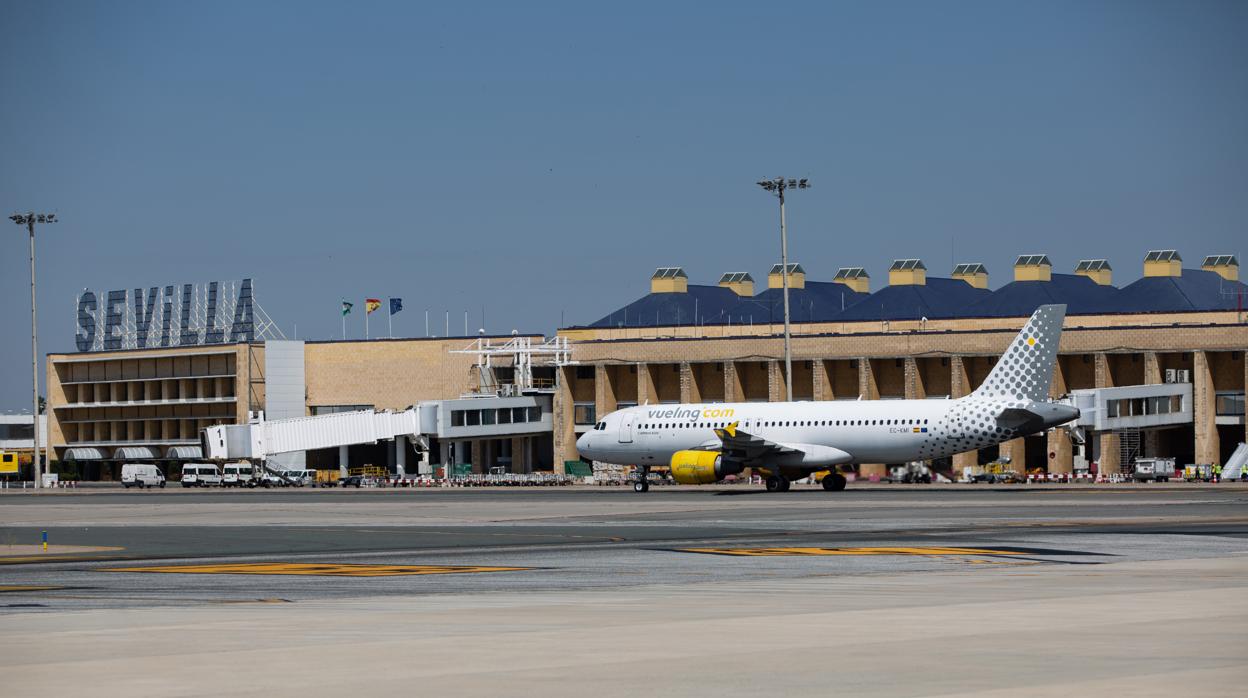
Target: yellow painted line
x=18, y=587
x=780, y=552
x=333, y=570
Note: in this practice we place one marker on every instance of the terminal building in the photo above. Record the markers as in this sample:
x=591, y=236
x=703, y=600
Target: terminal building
x=1157, y=364
x=151, y=404
x=1181, y=330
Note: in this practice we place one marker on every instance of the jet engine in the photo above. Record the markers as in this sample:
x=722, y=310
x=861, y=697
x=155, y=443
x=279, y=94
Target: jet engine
x=699, y=467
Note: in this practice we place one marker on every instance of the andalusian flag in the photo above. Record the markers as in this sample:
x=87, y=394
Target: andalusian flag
x=371, y=304
x=346, y=308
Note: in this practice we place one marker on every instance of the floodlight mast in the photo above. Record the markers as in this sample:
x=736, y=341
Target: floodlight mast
x=778, y=186
x=29, y=220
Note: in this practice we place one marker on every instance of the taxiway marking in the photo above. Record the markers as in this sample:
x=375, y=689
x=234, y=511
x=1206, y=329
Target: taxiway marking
x=779, y=552
x=326, y=569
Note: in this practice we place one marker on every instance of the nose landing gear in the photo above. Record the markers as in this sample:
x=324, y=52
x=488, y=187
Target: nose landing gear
x=642, y=483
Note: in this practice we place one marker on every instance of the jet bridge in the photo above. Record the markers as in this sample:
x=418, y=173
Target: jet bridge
x=452, y=422
x=519, y=408
x=259, y=439
x=1134, y=406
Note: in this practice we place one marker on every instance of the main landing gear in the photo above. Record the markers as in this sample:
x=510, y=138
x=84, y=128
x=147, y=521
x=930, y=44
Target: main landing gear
x=777, y=483
x=834, y=482
x=642, y=484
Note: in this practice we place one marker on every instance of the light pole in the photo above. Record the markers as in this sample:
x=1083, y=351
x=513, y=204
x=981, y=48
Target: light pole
x=29, y=220
x=778, y=186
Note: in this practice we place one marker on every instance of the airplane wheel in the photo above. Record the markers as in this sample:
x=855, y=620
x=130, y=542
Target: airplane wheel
x=834, y=482
x=777, y=484
x=785, y=483
x=640, y=486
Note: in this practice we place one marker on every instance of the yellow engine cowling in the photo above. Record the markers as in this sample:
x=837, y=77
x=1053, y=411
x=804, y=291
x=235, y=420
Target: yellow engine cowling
x=696, y=467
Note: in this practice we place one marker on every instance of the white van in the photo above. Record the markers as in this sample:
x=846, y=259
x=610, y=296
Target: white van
x=288, y=478
x=238, y=475
x=200, y=475
x=304, y=477
x=141, y=475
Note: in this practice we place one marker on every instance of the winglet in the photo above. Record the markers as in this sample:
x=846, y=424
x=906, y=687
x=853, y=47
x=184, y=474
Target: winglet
x=730, y=431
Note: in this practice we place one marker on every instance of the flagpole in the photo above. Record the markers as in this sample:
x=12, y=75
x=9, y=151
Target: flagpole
x=366, y=314
x=344, y=327
x=390, y=320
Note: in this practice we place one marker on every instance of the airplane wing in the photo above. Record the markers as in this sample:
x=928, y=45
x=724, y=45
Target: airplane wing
x=736, y=446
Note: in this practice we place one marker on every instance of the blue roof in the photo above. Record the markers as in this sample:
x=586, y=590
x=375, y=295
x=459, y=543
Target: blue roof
x=665, y=309
x=821, y=301
x=938, y=298
x=1021, y=298
x=1196, y=289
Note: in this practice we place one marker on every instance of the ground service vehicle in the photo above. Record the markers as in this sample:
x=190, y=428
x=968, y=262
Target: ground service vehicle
x=141, y=475
x=8, y=463
x=238, y=475
x=1157, y=469
x=200, y=475
x=356, y=481
x=288, y=478
x=910, y=473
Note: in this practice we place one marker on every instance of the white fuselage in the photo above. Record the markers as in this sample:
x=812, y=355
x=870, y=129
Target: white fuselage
x=869, y=431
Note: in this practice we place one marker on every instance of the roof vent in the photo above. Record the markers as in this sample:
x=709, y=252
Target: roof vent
x=669, y=280
x=975, y=274
x=740, y=282
x=797, y=277
x=907, y=272
x=1163, y=263
x=855, y=278
x=1224, y=265
x=1096, y=269
x=1033, y=267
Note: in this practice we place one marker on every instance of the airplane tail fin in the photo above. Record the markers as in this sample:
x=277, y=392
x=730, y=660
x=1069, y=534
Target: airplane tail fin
x=1025, y=370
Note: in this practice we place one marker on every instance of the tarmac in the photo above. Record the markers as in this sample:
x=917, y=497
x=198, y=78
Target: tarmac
x=877, y=590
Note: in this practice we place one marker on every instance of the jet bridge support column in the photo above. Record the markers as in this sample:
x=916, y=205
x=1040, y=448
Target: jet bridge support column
x=343, y=460
x=400, y=456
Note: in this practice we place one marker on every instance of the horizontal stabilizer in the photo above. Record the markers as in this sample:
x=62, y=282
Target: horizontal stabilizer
x=1021, y=420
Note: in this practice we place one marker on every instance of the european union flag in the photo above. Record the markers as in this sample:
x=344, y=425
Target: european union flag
x=396, y=304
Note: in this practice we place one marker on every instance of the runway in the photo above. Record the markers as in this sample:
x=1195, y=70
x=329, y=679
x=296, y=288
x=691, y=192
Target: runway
x=554, y=590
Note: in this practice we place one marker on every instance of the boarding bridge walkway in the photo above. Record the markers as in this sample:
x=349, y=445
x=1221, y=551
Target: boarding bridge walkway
x=1133, y=407
x=450, y=421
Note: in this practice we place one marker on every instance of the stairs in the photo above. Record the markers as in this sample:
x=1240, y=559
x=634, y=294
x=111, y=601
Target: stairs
x=1128, y=449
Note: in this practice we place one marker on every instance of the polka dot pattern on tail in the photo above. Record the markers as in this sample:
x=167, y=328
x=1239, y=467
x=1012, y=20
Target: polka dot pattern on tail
x=1025, y=371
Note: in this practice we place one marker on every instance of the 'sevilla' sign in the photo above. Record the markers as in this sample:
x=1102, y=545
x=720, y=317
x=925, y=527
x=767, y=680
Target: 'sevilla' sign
x=166, y=316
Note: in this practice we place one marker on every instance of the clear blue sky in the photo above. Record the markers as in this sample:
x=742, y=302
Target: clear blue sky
x=541, y=159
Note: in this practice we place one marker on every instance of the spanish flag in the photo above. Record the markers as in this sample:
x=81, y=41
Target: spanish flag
x=371, y=304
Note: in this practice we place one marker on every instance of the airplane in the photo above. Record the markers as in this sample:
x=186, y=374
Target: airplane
x=706, y=442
